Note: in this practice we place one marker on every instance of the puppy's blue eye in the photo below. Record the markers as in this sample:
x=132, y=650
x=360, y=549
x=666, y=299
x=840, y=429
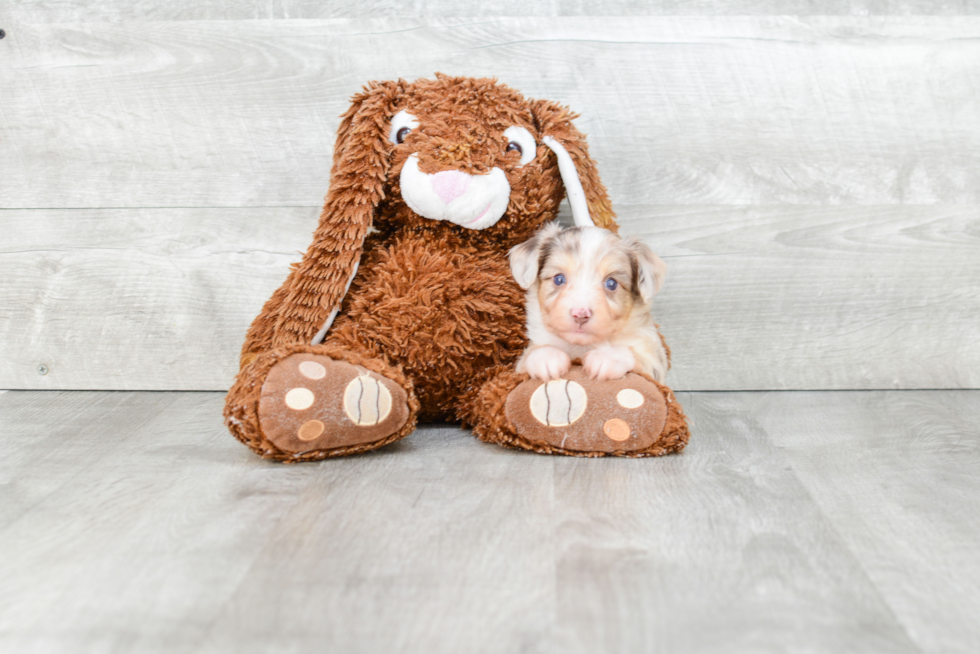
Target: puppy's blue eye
x=559, y=279
x=611, y=284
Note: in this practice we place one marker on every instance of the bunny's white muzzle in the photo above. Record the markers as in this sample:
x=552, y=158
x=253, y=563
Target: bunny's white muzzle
x=470, y=201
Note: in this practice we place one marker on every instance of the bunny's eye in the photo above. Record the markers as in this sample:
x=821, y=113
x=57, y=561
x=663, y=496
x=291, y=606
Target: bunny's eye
x=402, y=124
x=519, y=140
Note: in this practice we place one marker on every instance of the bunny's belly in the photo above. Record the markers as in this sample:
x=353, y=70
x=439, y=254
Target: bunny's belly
x=446, y=315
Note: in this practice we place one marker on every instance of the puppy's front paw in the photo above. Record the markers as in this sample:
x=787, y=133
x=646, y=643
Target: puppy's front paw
x=608, y=362
x=546, y=363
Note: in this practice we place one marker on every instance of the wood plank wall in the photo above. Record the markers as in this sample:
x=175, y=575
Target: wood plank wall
x=810, y=171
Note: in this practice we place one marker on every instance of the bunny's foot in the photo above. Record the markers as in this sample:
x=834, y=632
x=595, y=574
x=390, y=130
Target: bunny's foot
x=312, y=406
x=632, y=416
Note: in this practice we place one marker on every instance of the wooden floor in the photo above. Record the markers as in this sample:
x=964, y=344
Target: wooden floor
x=795, y=521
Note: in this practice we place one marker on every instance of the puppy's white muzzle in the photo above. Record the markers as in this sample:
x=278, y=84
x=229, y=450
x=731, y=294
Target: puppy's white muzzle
x=470, y=201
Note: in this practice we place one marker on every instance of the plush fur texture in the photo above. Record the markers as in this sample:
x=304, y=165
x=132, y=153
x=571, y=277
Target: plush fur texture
x=589, y=297
x=432, y=305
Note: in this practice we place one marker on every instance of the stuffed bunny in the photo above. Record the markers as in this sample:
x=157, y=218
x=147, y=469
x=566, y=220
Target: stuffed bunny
x=404, y=307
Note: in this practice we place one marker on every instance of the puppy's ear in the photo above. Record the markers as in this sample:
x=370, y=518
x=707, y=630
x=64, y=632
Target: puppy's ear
x=526, y=257
x=586, y=194
x=314, y=291
x=651, y=270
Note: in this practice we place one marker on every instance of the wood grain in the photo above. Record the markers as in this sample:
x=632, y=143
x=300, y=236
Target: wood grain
x=817, y=298
x=680, y=110
x=185, y=541
x=815, y=521
x=718, y=550
x=895, y=474
x=461, y=565
x=756, y=298
x=61, y=11
x=138, y=298
x=812, y=181
x=142, y=540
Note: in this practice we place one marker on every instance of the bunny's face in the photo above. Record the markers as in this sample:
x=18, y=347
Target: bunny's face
x=461, y=164
x=470, y=154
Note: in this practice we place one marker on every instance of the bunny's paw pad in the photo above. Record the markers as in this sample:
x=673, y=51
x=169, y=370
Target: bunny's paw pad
x=577, y=415
x=311, y=402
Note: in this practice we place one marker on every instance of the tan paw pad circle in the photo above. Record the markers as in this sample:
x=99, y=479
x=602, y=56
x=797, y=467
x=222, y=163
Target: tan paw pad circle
x=616, y=429
x=299, y=399
x=558, y=403
x=630, y=398
x=312, y=370
x=366, y=401
x=310, y=430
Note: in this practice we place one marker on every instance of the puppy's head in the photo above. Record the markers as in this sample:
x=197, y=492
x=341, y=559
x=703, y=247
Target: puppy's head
x=588, y=282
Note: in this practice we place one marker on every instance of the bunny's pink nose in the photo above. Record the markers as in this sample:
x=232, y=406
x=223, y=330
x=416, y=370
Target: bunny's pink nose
x=450, y=184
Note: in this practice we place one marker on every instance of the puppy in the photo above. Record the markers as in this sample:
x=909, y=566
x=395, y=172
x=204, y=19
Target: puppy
x=589, y=296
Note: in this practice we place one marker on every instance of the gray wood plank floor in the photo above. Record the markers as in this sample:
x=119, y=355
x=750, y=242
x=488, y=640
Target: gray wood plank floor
x=795, y=521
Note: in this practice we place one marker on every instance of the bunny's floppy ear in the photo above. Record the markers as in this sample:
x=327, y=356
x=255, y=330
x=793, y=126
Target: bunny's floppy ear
x=314, y=291
x=586, y=194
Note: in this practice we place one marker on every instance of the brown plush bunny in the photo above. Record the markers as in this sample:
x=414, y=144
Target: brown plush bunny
x=404, y=307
